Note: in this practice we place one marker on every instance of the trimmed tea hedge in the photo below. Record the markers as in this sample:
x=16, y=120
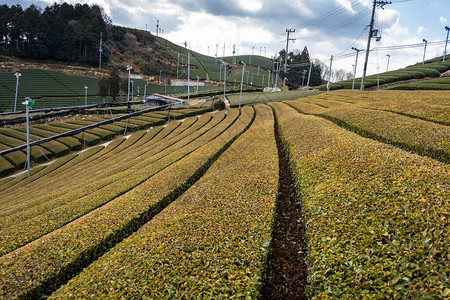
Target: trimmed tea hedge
x=69, y=248
x=212, y=241
x=375, y=215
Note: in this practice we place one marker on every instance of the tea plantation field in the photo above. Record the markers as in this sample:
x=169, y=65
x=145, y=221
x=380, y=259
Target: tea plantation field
x=186, y=209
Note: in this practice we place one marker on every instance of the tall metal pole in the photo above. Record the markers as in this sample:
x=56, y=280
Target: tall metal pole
x=224, y=80
x=424, y=50
x=132, y=89
x=217, y=48
x=17, y=74
x=85, y=95
x=329, y=75
x=189, y=74
x=268, y=80
x=287, y=47
x=100, y=51
x=277, y=72
x=356, y=63
x=198, y=78
x=178, y=64
x=242, y=82
x=309, y=73
x=129, y=74
x=28, y=102
x=28, y=136
x=446, y=41
x=145, y=91
x=387, y=66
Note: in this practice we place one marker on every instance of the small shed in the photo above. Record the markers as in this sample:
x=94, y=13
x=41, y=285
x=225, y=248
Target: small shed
x=157, y=100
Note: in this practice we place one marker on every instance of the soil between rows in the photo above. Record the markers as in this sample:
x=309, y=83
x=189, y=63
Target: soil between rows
x=286, y=274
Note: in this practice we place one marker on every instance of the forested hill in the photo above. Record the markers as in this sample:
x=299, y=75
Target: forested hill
x=72, y=33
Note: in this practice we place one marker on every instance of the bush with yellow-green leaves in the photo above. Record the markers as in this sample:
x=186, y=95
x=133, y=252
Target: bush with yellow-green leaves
x=376, y=216
x=67, y=250
x=27, y=221
x=210, y=243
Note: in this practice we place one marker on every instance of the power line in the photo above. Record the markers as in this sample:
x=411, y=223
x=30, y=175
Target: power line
x=328, y=15
x=341, y=25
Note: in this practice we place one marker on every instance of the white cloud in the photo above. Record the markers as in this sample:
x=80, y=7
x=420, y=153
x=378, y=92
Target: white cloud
x=250, y=5
x=202, y=30
x=421, y=29
x=434, y=3
x=347, y=4
x=443, y=20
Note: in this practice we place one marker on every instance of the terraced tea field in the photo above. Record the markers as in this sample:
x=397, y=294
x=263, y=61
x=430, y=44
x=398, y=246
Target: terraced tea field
x=194, y=208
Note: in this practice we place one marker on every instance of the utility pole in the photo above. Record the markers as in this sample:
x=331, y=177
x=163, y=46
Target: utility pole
x=424, y=50
x=356, y=63
x=329, y=75
x=446, y=41
x=287, y=47
x=157, y=27
x=100, y=51
x=375, y=4
x=198, y=78
x=387, y=66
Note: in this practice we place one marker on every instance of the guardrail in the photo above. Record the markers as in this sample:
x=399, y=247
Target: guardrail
x=81, y=129
x=58, y=111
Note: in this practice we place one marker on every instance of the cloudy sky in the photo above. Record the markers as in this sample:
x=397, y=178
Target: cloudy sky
x=326, y=27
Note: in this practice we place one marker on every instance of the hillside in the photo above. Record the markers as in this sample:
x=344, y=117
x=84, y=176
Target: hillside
x=432, y=74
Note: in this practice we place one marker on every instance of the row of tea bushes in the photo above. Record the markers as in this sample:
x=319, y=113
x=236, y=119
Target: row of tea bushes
x=212, y=241
x=67, y=250
x=375, y=214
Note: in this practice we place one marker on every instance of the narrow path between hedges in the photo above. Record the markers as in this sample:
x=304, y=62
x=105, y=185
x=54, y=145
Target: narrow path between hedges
x=286, y=272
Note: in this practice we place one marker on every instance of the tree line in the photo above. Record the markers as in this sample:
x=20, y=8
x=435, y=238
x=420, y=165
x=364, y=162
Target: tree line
x=60, y=32
x=300, y=68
